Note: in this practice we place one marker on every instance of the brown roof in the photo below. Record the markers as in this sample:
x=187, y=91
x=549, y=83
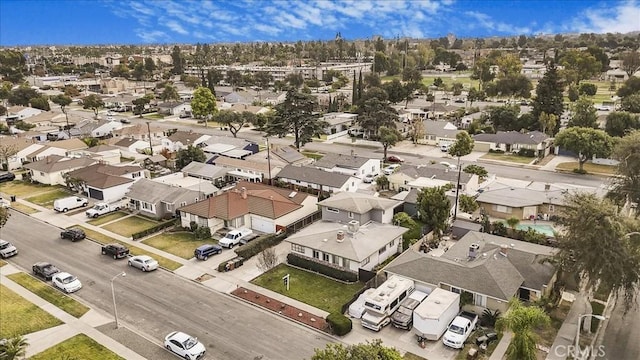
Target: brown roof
x=18, y=143
x=261, y=200
x=242, y=164
x=104, y=176
x=137, y=129
x=185, y=136
x=69, y=144
x=53, y=163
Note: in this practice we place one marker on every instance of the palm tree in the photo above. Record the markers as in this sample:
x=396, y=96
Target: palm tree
x=13, y=348
x=521, y=321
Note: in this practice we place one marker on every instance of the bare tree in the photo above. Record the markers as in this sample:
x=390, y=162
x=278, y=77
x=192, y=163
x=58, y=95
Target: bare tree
x=267, y=259
x=7, y=151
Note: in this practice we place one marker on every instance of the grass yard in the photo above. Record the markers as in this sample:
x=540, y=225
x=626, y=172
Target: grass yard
x=588, y=167
x=48, y=198
x=309, y=288
x=52, y=295
x=130, y=225
x=23, y=208
x=2, y=263
x=154, y=116
x=78, y=347
x=313, y=155
x=19, y=316
x=177, y=243
x=22, y=188
x=508, y=157
x=104, y=239
x=107, y=218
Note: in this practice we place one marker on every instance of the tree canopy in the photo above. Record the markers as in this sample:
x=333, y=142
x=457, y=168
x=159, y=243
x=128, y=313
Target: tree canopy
x=462, y=146
x=523, y=321
x=297, y=115
x=373, y=350
x=203, y=105
x=549, y=98
x=231, y=119
x=186, y=156
x=93, y=102
x=388, y=137
x=584, y=114
x=585, y=142
x=434, y=208
x=627, y=152
x=619, y=123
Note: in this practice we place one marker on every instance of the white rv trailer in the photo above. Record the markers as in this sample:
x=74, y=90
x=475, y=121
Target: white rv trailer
x=384, y=301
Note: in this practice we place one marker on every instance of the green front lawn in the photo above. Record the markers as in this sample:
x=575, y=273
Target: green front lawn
x=177, y=243
x=508, y=157
x=107, y=218
x=588, y=167
x=154, y=116
x=52, y=295
x=48, y=198
x=78, y=347
x=104, y=239
x=315, y=290
x=313, y=155
x=130, y=225
x=18, y=316
x=23, y=188
x=23, y=208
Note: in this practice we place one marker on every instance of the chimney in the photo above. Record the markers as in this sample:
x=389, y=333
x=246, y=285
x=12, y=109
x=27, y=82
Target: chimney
x=48, y=160
x=547, y=187
x=340, y=236
x=353, y=226
x=473, y=251
x=503, y=250
x=243, y=192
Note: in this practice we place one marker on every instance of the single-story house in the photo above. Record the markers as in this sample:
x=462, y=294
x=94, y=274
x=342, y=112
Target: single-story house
x=52, y=169
x=105, y=128
x=351, y=165
x=492, y=268
x=338, y=122
x=140, y=132
x=346, y=206
x=204, y=187
x=409, y=177
x=17, y=113
x=174, y=108
x=245, y=169
x=106, y=182
x=12, y=147
x=159, y=200
x=106, y=154
x=256, y=206
x=60, y=148
x=214, y=174
x=438, y=133
x=513, y=141
x=317, y=179
x=132, y=148
x=349, y=246
x=183, y=139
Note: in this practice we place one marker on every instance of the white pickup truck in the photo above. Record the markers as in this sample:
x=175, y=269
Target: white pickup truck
x=460, y=329
x=233, y=237
x=102, y=208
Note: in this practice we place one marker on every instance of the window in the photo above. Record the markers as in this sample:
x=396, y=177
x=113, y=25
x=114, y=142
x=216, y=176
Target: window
x=41, y=173
x=316, y=254
x=552, y=208
x=184, y=203
x=381, y=251
x=336, y=259
x=392, y=243
x=325, y=257
x=192, y=217
x=373, y=169
x=202, y=221
x=350, y=215
x=346, y=262
x=365, y=261
x=456, y=290
x=502, y=209
x=146, y=206
x=297, y=248
x=167, y=206
x=479, y=300
x=135, y=175
x=336, y=211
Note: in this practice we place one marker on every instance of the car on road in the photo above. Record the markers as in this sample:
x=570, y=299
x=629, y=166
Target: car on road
x=66, y=282
x=143, y=262
x=73, y=234
x=44, y=270
x=394, y=159
x=125, y=121
x=369, y=178
x=118, y=251
x=7, y=249
x=7, y=176
x=390, y=169
x=184, y=345
x=203, y=252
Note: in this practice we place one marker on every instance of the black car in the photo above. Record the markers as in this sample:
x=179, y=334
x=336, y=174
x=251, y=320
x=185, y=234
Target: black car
x=44, y=270
x=116, y=250
x=7, y=176
x=204, y=251
x=73, y=234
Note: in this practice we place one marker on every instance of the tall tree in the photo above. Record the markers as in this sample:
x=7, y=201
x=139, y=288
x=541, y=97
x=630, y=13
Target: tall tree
x=584, y=114
x=627, y=181
x=579, y=65
x=395, y=91
x=547, y=121
x=149, y=66
x=549, y=95
x=373, y=350
x=596, y=246
x=388, y=137
x=297, y=115
x=630, y=87
x=93, y=102
x=22, y=95
x=63, y=101
x=233, y=120
x=13, y=66
x=434, y=208
x=170, y=93
x=192, y=153
x=630, y=62
x=461, y=147
x=586, y=142
x=203, y=105
x=178, y=61
x=620, y=123
x=375, y=111
x=631, y=103
x=140, y=104
x=523, y=321
x=40, y=102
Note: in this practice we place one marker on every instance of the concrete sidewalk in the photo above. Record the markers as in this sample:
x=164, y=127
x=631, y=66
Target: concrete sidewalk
x=44, y=339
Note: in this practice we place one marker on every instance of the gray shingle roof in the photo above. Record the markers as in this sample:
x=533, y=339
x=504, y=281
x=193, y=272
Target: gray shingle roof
x=155, y=192
x=358, y=203
x=54, y=163
x=313, y=176
x=435, y=172
x=345, y=161
x=209, y=171
x=513, y=137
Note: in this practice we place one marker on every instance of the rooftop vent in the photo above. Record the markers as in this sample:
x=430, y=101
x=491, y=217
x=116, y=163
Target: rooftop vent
x=340, y=236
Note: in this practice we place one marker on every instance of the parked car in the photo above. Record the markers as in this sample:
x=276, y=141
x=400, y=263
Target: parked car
x=69, y=203
x=73, y=234
x=125, y=121
x=6, y=176
x=233, y=237
x=445, y=147
x=7, y=249
x=390, y=169
x=44, y=270
x=143, y=262
x=369, y=178
x=203, y=252
x=66, y=282
x=184, y=345
x=460, y=329
x=394, y=159
x=102, y=208
x=4, y=203
x=118, y=251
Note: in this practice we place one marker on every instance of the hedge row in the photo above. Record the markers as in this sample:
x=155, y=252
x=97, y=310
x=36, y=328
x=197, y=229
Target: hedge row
x=527, y=152
x=255, y=247
x=340, y=324
x=154, y=229
x=314, y=265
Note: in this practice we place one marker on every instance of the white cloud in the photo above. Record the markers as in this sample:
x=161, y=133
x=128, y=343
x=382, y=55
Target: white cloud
x=176, y=27
x=142, y=9
x=621, y=18
x=487, y=22
x=151, y=36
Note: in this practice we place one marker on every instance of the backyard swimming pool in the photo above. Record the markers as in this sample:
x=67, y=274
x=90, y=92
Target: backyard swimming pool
x=542, y=229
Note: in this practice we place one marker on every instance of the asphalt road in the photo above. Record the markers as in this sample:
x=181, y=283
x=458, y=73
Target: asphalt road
x=154, y=304
x=622, y=335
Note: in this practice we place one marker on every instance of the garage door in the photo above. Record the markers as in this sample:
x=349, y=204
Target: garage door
x=481, y=146
x=263, y=225
x=529, y=211
x=96, y=194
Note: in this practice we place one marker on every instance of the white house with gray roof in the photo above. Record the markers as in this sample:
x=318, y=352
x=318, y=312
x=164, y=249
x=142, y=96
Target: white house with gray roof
x=351, y=165
x=513, y=141
x=317, y=179
x=159, y=200
x=348, y=206
x=409, y=177
x=438, y=133
x=493, y=269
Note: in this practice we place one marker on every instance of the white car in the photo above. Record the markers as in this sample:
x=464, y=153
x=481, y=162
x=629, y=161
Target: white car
x=369, y=178
x=184, y=345
x=66, y=282
x=390, y=169
x=143, y=262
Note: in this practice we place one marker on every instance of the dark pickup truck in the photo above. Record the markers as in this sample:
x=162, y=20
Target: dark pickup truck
x=116, y=250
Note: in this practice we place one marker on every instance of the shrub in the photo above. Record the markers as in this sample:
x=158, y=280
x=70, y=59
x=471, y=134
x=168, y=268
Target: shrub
x=154, y=229
x=340, y=324
x=580, y=171
x=203, y=232
x=193, y=226
x=527, y=152
x=489, y=317
x=320, y=267
x=588, y=89
x=257, y=246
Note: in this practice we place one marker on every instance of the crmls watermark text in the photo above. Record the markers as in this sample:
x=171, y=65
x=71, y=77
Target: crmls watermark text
x=579, y=353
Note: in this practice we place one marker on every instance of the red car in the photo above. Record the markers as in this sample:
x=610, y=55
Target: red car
x=395, y=159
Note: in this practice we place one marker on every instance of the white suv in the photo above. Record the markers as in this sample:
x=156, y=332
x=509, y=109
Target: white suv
x=390, y=169
x=7, y=249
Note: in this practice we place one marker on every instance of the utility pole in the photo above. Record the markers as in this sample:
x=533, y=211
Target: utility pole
x=269, y=160
x=149, y=130
x=455, y=206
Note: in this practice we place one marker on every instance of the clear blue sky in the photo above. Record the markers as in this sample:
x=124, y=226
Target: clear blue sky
x=38, y=22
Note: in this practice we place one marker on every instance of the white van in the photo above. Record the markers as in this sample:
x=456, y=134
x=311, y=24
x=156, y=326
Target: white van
x=445, y=147
x=69, y=203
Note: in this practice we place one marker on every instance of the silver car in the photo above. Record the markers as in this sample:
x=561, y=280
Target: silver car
x=143, y=262
x=7, y=249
